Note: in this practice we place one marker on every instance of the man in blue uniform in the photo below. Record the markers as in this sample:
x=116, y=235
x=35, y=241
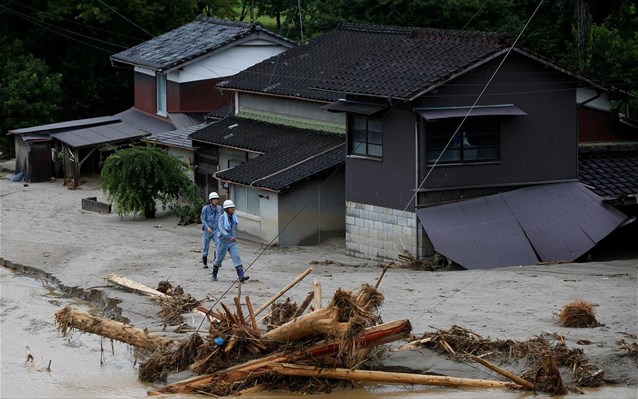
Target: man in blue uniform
x=210, y=216
x=228, y=242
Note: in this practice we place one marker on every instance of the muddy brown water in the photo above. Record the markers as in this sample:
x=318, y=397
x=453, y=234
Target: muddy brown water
x=87, y=366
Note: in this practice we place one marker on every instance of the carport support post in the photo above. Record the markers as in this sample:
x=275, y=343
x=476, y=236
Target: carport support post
x=76, y=178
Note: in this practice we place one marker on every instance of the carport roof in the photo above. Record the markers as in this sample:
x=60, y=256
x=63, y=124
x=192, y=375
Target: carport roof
x=94, y=135
x=552, y=222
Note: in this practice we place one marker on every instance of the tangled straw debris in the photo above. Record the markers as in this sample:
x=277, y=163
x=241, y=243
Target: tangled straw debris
x=578, y=314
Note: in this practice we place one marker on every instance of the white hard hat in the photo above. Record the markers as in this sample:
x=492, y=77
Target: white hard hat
x=213, y=195
x=228, y=204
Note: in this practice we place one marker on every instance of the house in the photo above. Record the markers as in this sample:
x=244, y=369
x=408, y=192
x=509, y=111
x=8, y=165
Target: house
x=174, y=89
x=402, y=94
x=278, y=175
x=175, y=74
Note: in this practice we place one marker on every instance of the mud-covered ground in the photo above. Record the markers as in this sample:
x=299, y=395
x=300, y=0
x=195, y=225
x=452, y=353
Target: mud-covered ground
x=44, y=231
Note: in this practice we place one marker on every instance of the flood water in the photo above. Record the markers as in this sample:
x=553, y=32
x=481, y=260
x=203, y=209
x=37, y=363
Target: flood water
x=87, y=366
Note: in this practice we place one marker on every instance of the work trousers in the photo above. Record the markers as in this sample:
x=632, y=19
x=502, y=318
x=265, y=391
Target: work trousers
x=222, y=248
x=206, y=239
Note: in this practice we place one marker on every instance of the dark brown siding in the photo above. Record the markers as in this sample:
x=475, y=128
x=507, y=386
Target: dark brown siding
x=173, y=97
x=145, y=93
x=386, y=182
x=202, y=96
x=594, y=126
x=40, y=163
x=539, y=147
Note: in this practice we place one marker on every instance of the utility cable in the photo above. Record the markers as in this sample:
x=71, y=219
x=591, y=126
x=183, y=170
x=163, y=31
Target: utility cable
x=126, y=19
x=448, y=143
x=269, y=244
x=473, y=105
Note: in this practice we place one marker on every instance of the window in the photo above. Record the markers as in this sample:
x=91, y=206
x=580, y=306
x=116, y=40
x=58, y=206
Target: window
x=476, y=141
x=365, y=137
x=246, y=199
x=160, y=80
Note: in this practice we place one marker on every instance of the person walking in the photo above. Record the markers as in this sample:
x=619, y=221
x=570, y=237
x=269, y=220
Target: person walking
x=210, y=217
x=228, y=242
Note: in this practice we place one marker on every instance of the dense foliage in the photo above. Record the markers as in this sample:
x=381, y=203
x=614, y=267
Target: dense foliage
x=135, y=178
x=29, y=91
x=74, y=38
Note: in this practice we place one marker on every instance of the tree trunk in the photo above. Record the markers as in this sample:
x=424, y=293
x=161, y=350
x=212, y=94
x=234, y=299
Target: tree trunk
x=68, y=318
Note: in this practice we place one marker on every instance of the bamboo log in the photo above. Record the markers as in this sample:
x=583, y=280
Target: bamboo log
x=510, y=376
x=373, y=336
x=385, y=377
x=283, y=291
x=68, y=317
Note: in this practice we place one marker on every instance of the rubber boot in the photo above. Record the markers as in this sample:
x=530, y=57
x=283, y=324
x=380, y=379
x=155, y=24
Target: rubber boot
x=205, y=261
x=240, y=274
x=214, y=275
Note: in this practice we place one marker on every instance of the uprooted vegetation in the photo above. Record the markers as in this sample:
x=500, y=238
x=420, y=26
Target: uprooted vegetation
x=311, y=348
x=545, y=357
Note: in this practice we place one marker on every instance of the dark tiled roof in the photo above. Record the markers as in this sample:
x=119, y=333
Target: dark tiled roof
x=289, y=155
x=368, y=59
x=177, y=138
x=611, y=171
x=190, y=41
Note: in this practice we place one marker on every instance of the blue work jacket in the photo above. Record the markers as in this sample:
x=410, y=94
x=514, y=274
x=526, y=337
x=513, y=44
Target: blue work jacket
x=210, y=217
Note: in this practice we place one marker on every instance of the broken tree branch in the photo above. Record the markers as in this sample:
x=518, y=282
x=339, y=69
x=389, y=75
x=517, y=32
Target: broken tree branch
x=510, y=376
x=283, y=291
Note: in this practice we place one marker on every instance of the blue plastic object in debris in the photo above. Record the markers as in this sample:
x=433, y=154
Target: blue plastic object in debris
x=219, y=341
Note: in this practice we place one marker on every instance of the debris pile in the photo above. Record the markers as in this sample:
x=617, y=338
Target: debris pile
x=310, y=348
x=543, y=357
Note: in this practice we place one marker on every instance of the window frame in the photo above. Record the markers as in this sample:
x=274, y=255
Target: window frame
x=242, y=201
x=368, y=142
x=463, y=146
x=160, y=94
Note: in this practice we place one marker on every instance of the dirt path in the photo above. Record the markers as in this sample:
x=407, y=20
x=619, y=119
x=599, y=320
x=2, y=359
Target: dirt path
x=42, y=226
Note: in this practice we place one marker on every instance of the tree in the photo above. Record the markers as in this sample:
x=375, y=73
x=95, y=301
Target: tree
x=135, y=178
x=29, y=91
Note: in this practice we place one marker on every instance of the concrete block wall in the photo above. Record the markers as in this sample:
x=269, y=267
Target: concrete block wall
x=93, y=205
x=378, y=233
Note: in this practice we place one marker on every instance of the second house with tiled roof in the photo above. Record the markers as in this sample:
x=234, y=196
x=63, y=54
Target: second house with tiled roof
x=433, y=120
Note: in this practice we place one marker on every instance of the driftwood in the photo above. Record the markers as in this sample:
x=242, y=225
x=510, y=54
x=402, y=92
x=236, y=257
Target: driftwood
x=283, y=291
x=319, y=322
x=69, y=318
x=510, y=376
x=373, y=336
x=153, y=293
x=134, y=285
x=381, y=376
x=332, y=319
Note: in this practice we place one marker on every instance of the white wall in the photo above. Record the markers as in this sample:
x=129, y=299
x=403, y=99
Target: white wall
x=224, y=63
x=289, y=107
x=227, y=62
